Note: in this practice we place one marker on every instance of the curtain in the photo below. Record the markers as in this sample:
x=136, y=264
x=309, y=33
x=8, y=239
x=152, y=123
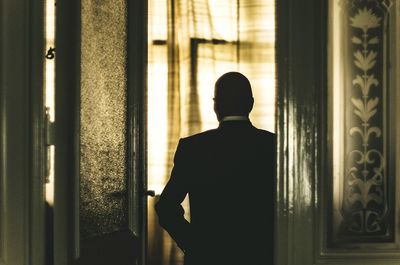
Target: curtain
x=257, y=57
x=192, y=43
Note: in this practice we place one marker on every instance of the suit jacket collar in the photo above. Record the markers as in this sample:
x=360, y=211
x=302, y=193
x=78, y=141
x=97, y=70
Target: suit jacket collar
x=234, y=124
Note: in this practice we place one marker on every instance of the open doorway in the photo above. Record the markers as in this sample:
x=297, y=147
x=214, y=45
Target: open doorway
x=190, y=44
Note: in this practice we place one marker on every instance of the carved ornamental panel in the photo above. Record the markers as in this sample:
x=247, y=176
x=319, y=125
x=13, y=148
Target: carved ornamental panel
x=363, y=122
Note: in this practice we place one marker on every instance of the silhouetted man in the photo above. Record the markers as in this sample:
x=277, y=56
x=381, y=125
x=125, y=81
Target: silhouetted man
x=228, y=173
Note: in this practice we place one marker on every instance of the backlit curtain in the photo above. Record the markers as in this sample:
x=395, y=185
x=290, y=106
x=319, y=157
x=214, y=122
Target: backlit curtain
x=192, y=43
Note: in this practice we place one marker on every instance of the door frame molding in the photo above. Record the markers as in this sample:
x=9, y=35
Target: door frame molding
x=66, y=203
x=22, y=143
x=301, y=108
x=137, y=121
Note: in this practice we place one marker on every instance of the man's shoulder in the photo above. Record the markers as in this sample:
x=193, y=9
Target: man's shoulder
x=265, y=133
x=199, y=137
x=213, y=134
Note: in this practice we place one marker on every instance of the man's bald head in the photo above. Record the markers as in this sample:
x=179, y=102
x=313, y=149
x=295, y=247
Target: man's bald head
x=232, y=95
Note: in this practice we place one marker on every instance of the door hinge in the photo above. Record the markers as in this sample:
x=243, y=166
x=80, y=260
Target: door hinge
x=49, y=141
x=49, y=129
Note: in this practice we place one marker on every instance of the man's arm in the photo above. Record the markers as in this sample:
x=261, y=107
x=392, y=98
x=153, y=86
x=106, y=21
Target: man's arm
x=169, y=209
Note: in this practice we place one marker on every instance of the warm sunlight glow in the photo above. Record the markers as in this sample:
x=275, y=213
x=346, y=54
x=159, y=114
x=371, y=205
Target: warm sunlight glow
x=191, y=44
x=248, y=41
x=157, y=89
x=49, y=90
x=263, y=114
x=219, y=59
x=226, y=26
x=157, y=118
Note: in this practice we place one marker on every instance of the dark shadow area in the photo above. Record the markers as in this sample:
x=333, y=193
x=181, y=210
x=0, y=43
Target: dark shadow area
x=49, y=215
x=118, y=248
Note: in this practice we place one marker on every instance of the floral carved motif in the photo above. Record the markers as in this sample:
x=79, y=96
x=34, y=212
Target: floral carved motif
x=364, y=207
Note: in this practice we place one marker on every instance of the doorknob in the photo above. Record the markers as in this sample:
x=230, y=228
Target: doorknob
x=150, y=193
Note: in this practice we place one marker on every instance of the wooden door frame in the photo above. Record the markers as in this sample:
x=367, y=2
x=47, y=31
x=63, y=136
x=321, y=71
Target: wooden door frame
x=301, y=124
x=21, y=143
x=137, y=121
x=66, y=204
x=66, y=213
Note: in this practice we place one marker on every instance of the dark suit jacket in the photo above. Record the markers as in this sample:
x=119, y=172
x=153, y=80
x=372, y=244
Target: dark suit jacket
x=229, y=176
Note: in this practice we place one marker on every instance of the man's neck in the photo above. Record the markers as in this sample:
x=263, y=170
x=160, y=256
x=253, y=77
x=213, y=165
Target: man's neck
x=234, y=118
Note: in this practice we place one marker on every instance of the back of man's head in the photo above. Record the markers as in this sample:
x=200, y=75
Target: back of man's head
x=232, y=95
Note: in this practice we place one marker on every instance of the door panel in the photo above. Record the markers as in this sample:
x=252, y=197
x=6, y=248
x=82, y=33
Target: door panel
x=363, y=122
x=334, y=208
x=100, y=150
x=362, y=130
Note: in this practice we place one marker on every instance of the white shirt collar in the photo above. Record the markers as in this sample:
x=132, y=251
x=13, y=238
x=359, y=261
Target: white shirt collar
x=235, y=118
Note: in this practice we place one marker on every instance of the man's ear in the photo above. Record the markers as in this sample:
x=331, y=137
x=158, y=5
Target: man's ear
x=216, y=109
x=251, y=104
